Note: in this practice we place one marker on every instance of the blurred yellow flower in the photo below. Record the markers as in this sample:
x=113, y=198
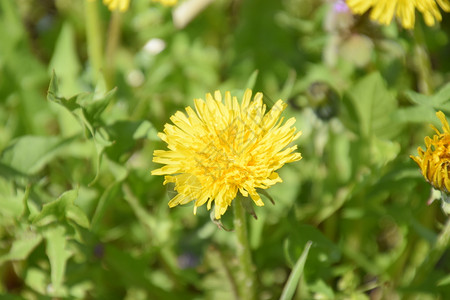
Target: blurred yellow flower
x=383, y=10
x=435, y=160
x=167, y=2
x=222, y=148
x=121, y=5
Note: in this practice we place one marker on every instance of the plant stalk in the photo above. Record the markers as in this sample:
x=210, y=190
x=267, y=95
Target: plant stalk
x=248, y=284
x=436, y=252
x=111, y=47
x=94, y=34
x=422, y=61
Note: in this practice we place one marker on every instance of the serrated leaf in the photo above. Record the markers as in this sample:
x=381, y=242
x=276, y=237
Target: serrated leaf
x=87, y=109
x=53, y=95
x=57, y=209
x=98, y=103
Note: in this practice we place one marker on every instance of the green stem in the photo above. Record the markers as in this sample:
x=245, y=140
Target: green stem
x=248, y=283
x=422, y=61
x=94, y=38
x=434, y=255
x=111, y=47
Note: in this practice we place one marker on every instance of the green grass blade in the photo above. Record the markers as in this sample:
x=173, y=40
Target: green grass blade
x=294, y=277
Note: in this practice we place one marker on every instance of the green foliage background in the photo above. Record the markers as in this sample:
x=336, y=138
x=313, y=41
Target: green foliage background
x=82, y=218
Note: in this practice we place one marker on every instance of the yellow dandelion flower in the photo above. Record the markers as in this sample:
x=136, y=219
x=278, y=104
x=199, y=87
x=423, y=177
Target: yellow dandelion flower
x=383, y=10
x=167, y=2
x=222, y=148
x=434, y=162
x=121, y=5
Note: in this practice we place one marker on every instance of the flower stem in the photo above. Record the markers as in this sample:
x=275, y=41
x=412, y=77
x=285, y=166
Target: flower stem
x=111, y=47
x=436, y=252
x=248, y=283
x=422, y=61
x=94, y=38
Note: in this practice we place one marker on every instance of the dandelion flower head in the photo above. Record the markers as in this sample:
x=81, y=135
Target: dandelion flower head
x=434, y=161
x=167, y=2
x=383, y=10
x=121, y=5
x=225, y=147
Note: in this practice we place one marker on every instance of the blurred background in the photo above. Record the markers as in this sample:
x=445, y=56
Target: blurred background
x=83, y=92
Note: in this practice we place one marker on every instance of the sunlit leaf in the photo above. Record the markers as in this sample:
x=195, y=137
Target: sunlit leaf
x=57, y=254
x=369, y=108
x=22, y=246
x=29, y=154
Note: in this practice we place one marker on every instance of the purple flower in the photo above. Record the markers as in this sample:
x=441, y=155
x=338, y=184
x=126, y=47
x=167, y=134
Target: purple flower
x=340, y=6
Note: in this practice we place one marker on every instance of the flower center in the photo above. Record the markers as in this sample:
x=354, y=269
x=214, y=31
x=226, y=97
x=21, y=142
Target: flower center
x=223, y=157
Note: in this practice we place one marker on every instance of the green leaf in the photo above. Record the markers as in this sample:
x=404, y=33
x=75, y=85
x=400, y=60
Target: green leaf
x=56, y=210
x=252, y=80
x=383, y=151
x=11, y=29
x=369, y=107
x=322, y=254
x=322, y=290
x=22, y=246
x=134, y=270
x=109, y=194
x=77, y=215
x=416, y=114
x=87, y=109
x=445, y=280
x=288, y=86
x=62, y=209
x=11, y=199
x=439, y=99
x=426, y=108
x=125, y=135
x=57, y=254
x=29, y=154
x=419, y=98
x=53, y=95
x=296, y=273
x=442, y=97
x=65, y=61
x=37, y=279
